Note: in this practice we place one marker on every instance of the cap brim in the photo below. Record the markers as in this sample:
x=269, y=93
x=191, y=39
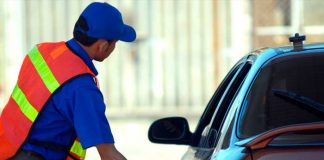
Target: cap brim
x=128, y=35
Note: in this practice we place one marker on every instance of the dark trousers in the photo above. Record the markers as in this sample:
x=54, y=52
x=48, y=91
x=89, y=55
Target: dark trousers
x=27, y=155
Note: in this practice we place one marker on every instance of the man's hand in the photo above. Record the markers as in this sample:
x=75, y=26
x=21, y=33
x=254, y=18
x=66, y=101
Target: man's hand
x=109, y=152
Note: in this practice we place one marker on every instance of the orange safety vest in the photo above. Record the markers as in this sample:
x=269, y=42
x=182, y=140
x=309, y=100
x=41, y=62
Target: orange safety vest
x=46, y=67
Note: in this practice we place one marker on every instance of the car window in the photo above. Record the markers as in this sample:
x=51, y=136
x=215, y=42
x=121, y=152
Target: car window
x=212, y=104
x=229, y=95
x=288, y=90
x=210, y=133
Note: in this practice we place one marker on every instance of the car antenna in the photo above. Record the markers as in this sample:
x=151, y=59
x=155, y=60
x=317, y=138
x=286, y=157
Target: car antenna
x=297, y=41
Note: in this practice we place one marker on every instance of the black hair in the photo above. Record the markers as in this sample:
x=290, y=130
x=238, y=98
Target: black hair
x=79, y=32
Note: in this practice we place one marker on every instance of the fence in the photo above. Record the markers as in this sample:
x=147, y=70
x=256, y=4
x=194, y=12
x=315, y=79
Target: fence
x=183, y=49
x=275, y=20
x=170, y=67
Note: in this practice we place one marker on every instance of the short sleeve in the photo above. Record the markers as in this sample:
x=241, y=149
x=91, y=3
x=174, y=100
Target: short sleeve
x=90, y=122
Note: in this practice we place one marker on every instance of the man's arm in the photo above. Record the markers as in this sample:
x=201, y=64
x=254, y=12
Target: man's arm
x=109, y=152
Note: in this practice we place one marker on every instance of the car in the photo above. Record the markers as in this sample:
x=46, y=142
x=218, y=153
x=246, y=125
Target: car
x=270, y=106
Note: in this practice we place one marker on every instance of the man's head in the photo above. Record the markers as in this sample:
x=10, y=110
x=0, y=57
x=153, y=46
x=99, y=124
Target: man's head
x=99, y=27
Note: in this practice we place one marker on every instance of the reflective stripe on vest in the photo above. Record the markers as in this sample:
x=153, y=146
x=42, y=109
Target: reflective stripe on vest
x=28, y=110
x=44, y=70
x=77, y=151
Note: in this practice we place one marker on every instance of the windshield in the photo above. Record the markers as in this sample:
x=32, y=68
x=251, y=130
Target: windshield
x=288, y=90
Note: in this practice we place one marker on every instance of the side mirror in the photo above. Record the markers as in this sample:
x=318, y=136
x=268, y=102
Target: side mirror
x=172, y=130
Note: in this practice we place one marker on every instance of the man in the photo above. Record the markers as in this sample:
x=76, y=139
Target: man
x=56, y=108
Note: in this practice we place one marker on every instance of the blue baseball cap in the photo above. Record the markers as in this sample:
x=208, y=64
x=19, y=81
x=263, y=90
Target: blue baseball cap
x=105, y=22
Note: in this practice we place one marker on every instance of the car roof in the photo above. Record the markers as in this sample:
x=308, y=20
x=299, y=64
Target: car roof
x=263, y=55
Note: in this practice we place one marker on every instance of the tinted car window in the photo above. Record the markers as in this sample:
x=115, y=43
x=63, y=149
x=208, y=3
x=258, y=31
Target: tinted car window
x=208, y=140
x=288, y=90
x=211, y=108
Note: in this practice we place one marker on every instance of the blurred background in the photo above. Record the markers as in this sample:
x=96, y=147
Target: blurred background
x=183, y=50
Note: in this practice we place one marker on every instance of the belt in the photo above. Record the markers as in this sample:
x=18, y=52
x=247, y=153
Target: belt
x=27, y=155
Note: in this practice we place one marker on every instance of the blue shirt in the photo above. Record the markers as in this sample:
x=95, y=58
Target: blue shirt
x=76, y=109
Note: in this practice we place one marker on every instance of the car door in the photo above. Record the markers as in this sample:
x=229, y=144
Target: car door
x=204, y=138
